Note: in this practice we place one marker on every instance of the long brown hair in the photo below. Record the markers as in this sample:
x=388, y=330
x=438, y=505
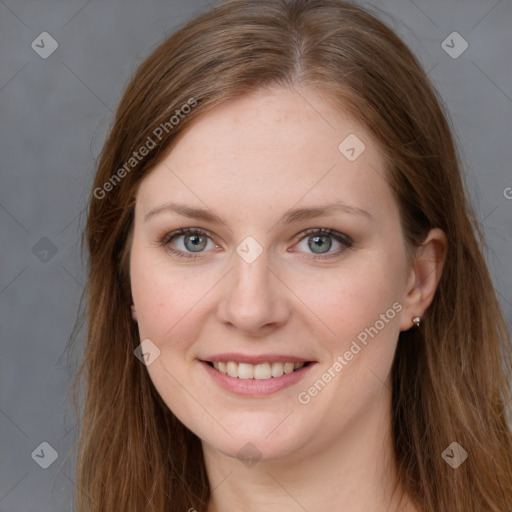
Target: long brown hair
x=450, y=378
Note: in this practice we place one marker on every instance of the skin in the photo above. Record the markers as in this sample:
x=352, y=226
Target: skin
x=249, y=161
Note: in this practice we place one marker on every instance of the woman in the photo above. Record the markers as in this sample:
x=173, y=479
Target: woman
x=287, y=303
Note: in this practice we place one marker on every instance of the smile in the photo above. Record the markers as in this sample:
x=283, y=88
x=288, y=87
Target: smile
x=262, y=371
x=262, y=378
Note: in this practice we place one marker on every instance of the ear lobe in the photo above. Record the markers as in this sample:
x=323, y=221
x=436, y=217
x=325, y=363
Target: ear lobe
x=134, y=312
x=425, y=275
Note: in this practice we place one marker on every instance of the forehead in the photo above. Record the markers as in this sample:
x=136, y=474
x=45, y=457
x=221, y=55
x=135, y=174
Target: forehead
x=270, y=148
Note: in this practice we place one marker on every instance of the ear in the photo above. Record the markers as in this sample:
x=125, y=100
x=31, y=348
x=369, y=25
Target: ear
x=424, y=276
x=134, y=312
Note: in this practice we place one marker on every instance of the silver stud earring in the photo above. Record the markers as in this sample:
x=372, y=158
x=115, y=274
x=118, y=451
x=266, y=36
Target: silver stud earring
x=417, y=320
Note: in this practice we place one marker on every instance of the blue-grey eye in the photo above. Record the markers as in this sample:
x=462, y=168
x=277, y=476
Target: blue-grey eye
x=320, y=244
x=194, y=242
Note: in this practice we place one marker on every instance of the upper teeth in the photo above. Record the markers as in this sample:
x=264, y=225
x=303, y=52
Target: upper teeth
x=255, y=371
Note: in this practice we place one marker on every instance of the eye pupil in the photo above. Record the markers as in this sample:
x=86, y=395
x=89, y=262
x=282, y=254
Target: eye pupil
x=315, y=242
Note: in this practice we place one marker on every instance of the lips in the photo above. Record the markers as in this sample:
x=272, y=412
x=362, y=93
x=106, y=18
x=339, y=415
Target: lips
x=256, y=375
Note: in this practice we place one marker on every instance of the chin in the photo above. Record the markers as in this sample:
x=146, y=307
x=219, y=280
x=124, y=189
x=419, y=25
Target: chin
x=261, y=440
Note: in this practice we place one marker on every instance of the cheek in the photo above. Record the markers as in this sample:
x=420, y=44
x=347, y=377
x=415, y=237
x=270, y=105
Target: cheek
x=361, y=305
x=354, y=296
x=167, y=307
x=166, y=300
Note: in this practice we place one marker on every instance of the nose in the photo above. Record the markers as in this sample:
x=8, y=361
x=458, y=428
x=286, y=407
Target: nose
x=254, y=298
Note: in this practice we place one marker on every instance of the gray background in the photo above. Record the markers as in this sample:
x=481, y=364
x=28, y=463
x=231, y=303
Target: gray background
x=54, y=115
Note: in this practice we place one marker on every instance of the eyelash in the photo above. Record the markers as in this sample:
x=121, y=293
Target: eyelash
x=340, y=237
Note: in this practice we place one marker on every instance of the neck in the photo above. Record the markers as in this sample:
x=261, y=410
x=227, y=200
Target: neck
x=355, y=473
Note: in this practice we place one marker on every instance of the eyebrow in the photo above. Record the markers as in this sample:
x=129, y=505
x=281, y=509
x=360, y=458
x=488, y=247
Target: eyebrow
x=289, y=217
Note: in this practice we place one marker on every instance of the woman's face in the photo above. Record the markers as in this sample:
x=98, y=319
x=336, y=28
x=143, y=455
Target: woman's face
x=258, y=289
